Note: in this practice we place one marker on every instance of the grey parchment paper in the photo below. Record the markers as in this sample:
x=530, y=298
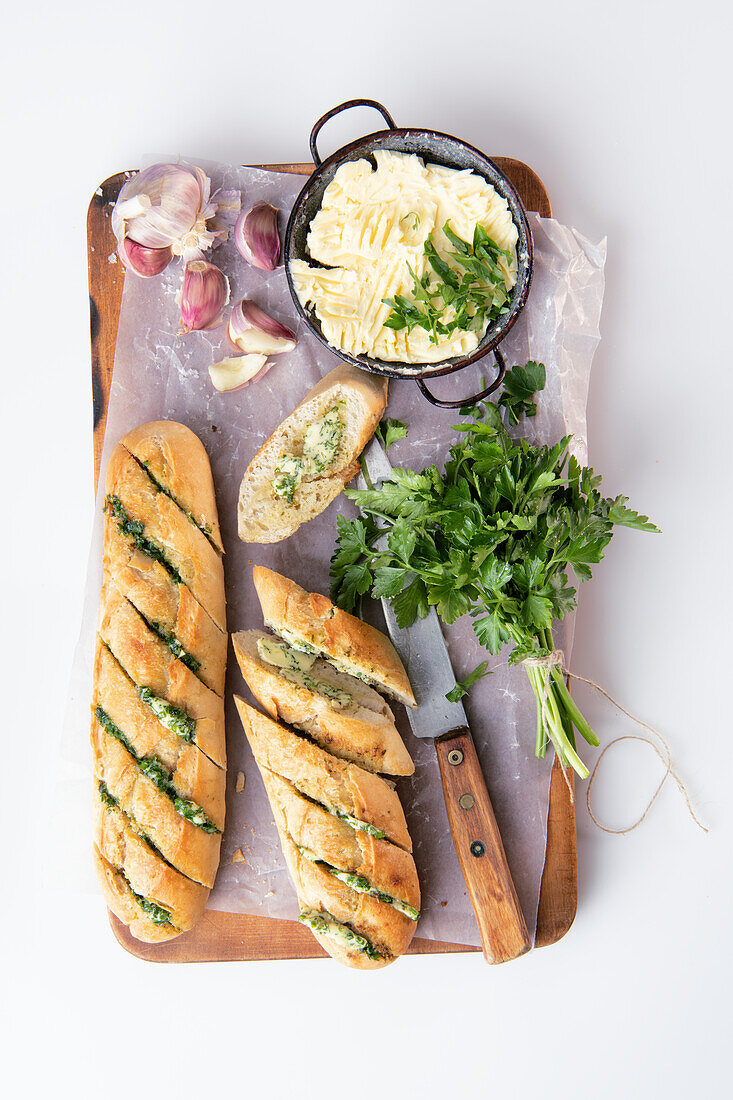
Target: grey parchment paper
x=158, y=375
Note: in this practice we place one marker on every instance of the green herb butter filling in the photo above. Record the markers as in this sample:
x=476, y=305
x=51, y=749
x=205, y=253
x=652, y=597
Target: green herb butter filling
x=329, y=926
x=361, y=885
x=321, y=442
x=295, y=665
x=174, y=646
x=134, y=530
x=173, y=718
x=151, y=767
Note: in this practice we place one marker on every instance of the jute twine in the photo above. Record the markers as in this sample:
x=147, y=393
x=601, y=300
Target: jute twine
x=557, y=658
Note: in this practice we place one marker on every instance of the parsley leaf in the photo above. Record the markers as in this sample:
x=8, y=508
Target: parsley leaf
x=389, y=431
x=456, y=694
x=519, y=387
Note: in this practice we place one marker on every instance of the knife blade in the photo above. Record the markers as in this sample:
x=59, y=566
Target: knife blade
x=476, y=836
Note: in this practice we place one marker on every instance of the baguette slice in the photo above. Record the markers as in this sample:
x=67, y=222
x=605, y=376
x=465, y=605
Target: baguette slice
x=185, y=548
x=177, y=459
x=169, y=606
x=148, y=876
x=311, y=621
x=362, y=731
x=362, y=398
x=333, y=783
x=149, y=663
x=120, y=900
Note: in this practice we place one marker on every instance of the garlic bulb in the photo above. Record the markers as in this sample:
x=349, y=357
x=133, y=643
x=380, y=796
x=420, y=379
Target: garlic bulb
x=252, y=330
x=236, y=372
x=204, y=294
x=170, y=206
x=257, y=238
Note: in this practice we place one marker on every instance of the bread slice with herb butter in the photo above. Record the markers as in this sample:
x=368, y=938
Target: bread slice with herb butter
x=311, y=456
x=342, y=714
x=311, y=622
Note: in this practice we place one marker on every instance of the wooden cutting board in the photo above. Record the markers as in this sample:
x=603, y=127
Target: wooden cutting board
x=222, y=937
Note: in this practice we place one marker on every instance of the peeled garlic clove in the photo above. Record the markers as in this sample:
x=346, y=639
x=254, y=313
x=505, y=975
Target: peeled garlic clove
x=251, y=329
x=143, y=261
x=204, y=294
x=238, y=371
x=257, y=238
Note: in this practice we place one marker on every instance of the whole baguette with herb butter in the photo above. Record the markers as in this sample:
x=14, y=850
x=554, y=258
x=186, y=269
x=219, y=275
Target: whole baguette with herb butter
x=345, y=841
x=158, y=710
x=311, y=456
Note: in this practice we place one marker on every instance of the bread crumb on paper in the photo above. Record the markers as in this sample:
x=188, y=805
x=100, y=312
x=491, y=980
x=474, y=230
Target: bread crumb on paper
x=238, y=857
x=239, y=787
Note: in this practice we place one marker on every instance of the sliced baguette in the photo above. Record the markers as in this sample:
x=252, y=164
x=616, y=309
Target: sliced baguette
x=311, y=621
x=333, y=783
x=362, y=399
x=362, y=731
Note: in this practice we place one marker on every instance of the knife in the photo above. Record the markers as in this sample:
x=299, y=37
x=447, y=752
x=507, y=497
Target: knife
x=476, y=836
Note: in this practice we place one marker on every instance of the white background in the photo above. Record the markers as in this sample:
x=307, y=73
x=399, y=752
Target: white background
x=623, y=109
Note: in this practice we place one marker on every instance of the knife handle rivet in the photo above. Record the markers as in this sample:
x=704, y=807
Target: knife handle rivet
x=466, y=802
x=477, y=848
x=455, y=757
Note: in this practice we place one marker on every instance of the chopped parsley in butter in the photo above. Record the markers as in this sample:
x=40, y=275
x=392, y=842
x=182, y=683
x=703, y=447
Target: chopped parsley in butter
x=295, y=665
x=320, y=448
x=361, y=885
x=329, y=926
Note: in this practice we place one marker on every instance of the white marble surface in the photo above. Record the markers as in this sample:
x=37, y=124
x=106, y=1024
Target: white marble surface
x=622, y=111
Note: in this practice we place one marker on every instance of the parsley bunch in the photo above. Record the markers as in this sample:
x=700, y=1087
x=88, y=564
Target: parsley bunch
x=493, y=536
x=473, y=285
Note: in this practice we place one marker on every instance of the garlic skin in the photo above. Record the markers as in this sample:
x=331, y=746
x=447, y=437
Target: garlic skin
x=145, y=262
x=204, y=294
x=250, y=329
x=257, y=238
x=170, y=206
x=236, y=372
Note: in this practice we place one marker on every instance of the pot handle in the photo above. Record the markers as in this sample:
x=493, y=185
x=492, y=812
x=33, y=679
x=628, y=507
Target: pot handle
x=501, y=364
x=337, y=111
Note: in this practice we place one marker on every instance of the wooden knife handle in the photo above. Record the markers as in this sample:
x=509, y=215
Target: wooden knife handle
x=476, y=836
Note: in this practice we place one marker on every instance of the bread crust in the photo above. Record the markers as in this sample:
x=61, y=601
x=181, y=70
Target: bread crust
x=364, y=736
x=187, y=549
x=341, y=638
x=324, y=778
x=162, y=626
x=369, y=393
x=178, y=460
